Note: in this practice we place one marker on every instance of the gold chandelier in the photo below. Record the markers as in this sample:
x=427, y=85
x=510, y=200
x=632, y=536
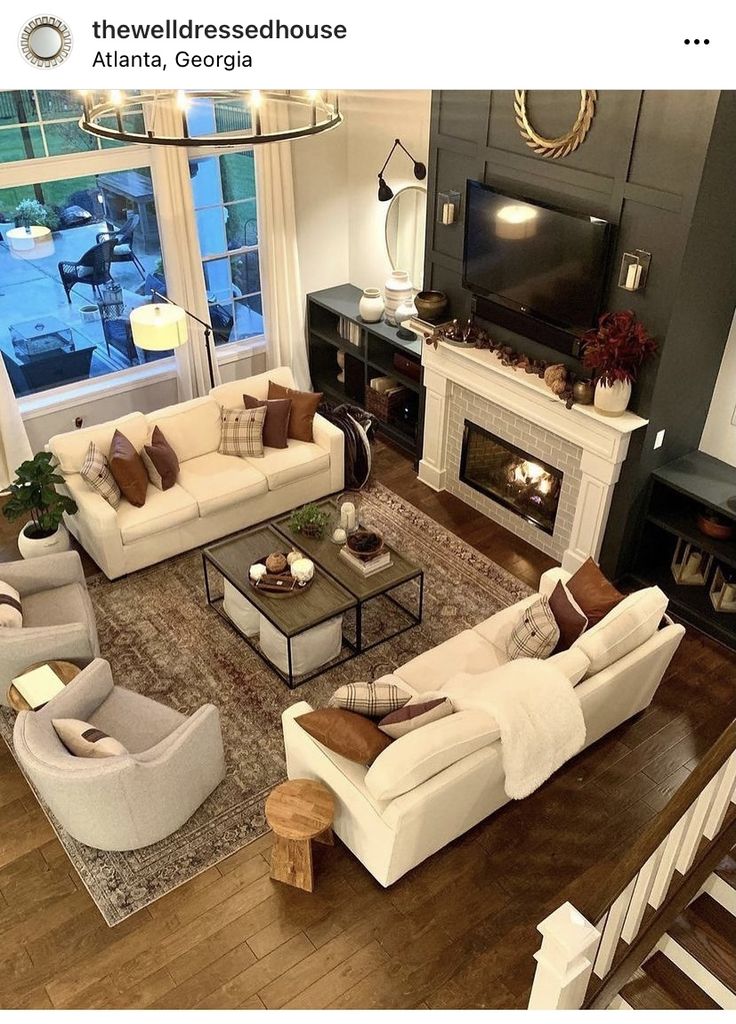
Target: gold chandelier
x=246, y=118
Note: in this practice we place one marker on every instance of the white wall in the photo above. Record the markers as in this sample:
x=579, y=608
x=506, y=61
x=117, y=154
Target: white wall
x=374, y=119
x=719, y=433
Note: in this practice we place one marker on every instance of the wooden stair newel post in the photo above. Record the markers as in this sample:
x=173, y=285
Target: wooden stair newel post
x=564, y=960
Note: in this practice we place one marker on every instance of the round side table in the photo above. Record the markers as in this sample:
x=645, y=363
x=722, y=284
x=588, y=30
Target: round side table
x=65, y=670
x=298, y=811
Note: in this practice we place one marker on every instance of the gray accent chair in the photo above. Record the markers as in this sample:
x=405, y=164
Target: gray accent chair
x=58, y=618
x=131, y=800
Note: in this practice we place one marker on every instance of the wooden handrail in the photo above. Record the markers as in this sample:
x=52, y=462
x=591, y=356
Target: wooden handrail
x=686, y=891
x=595, y=904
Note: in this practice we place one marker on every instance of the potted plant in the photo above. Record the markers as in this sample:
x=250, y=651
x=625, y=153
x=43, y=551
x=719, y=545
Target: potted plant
x=33, y=492
x=310, y=520
x=614, y=351
x=29, y=212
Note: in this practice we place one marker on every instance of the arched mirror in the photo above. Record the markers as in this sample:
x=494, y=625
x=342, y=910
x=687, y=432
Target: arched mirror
x=406, y=220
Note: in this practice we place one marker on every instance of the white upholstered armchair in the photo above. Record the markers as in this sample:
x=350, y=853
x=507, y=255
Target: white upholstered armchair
x=130, y=800
x=58, y=619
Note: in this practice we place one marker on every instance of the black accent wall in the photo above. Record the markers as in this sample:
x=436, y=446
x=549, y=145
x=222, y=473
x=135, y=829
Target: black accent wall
x=659, y=165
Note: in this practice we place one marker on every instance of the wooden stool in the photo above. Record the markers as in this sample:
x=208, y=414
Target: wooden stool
x=298, y=811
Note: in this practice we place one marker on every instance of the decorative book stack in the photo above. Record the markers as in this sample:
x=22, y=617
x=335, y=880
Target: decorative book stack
x=38, y=686
x=369, y=567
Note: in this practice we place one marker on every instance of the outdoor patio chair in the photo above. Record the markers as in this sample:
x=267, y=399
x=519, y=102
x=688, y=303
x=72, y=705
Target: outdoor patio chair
x=92, y=269
x=123, y=239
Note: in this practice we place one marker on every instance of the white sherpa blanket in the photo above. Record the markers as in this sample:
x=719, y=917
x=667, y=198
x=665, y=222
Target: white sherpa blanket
x=538, y=714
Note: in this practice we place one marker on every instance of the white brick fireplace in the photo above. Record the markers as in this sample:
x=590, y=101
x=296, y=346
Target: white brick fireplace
x=472, y=387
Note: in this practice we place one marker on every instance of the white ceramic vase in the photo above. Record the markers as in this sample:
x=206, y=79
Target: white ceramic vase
x=612, y=399
x=397, y=290
x=34, y=547
x=371, y=305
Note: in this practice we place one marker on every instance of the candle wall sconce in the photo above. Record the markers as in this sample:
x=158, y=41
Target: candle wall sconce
x=634, y=270
x=448, y=207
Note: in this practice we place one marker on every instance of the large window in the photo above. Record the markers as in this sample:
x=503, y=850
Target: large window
x=78, y=253
x=68, y=289
x=224, y=191
x=35, y=123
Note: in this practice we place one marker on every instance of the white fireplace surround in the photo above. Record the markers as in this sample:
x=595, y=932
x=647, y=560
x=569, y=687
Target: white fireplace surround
x=604, y=441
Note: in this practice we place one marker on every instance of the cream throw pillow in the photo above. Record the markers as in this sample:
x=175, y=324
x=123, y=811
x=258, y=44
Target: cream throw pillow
x=84, y=740
x=11, y=612
x=627, y=626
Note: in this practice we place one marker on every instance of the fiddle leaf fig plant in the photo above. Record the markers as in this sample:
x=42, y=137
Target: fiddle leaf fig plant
x=33, y=492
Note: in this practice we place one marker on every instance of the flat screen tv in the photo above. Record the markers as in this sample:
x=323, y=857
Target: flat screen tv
x=536, y=259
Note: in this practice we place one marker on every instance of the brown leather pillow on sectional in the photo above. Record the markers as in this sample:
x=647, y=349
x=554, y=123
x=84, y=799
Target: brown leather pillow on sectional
x=128, y=469
x=592, y=592
x=353, y=736
x=276, y=424
x=303, y=407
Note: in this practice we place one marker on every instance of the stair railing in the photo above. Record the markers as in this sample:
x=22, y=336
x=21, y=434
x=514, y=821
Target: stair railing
x=646, y=890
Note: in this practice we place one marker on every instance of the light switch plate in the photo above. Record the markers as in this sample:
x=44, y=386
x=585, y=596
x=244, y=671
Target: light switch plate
x=659, y=439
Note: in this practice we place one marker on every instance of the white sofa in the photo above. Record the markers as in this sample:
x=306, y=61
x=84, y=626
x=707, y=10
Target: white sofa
x=215, y=494
x=392, y=836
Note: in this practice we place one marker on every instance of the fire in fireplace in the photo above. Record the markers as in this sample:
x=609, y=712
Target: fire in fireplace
x=510, y=476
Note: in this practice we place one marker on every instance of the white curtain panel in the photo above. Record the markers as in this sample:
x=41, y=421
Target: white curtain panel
x=281, y=286
x=182, y=266
x=14, y=445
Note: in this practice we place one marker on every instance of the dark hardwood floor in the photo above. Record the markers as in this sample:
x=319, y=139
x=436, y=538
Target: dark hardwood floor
x=459, y=931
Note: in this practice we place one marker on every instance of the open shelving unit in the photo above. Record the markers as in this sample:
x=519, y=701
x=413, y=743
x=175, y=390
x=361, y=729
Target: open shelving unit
x=373, y=356
x=678, y=492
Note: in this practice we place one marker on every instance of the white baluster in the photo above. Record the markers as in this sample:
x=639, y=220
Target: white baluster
x=725, y=794
x=694, y=831
x=612, y=930
x=669, y=859
x=639, y=900
x=564, y=960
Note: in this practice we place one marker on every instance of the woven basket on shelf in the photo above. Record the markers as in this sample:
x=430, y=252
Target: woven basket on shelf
x=385, y=404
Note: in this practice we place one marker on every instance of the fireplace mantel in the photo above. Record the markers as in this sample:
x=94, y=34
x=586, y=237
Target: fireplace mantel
x=604, y=441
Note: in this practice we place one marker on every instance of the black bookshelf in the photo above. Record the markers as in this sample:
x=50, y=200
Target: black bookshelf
x=678, y=492
x=373, y=356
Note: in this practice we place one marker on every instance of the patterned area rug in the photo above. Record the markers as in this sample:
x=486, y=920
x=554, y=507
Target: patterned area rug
x=162, y=640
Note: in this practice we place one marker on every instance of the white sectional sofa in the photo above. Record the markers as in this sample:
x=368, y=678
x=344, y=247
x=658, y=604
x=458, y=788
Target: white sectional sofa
x=392, y=836
x=215, y=494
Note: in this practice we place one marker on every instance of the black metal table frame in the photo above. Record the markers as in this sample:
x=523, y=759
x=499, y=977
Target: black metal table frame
x=355, y=647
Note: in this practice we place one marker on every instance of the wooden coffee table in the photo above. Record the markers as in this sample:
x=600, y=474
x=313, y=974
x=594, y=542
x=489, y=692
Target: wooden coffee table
x=65, y=670
x=298, y=811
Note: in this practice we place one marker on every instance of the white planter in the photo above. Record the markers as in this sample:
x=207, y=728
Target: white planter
x=397, y=290
x=371, y=305
x=31, y=547
x=612, y=399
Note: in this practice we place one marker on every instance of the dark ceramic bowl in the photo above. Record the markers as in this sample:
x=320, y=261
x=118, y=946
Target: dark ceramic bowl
x=365, y=544
x=430, y=305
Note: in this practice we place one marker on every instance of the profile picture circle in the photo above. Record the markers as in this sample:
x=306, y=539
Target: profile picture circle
x=45, y=41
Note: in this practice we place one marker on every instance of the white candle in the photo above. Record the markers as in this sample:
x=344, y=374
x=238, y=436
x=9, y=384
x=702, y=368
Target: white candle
x=448, y=213
x=633, y=275
x=347, y=516
x=339, y=536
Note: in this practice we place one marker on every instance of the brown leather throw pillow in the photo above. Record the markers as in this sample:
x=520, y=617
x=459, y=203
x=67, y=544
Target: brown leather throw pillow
x=568, y=616
x=303, y=407
x=276, y=424
x=593, y=593
x=353, y=736
x=160, y=460
x=128, y=469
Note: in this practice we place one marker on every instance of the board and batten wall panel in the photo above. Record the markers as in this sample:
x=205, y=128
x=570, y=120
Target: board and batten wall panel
x=643, y=166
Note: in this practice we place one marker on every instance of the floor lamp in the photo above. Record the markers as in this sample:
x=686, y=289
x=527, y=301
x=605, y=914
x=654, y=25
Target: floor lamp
x=161, y=325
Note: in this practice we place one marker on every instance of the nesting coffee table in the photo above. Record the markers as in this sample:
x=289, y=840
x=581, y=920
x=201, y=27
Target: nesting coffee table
x=335, y=590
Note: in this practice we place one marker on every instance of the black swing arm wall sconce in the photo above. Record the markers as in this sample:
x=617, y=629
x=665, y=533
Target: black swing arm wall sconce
x=385, y=192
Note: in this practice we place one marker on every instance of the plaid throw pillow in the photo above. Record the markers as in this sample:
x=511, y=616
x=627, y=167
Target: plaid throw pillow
x=374, y=700
x=241, y=432
x=96, y=471
x=536, y=633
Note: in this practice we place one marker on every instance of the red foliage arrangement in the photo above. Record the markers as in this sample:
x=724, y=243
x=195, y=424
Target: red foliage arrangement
x=617, y=347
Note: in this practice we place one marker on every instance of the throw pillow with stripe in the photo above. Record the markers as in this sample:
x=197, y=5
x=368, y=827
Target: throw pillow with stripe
x=536, y=633
x=11, y=612
x=97, y=473
x=241, y=432
x=374, y=700
x=85, y=740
